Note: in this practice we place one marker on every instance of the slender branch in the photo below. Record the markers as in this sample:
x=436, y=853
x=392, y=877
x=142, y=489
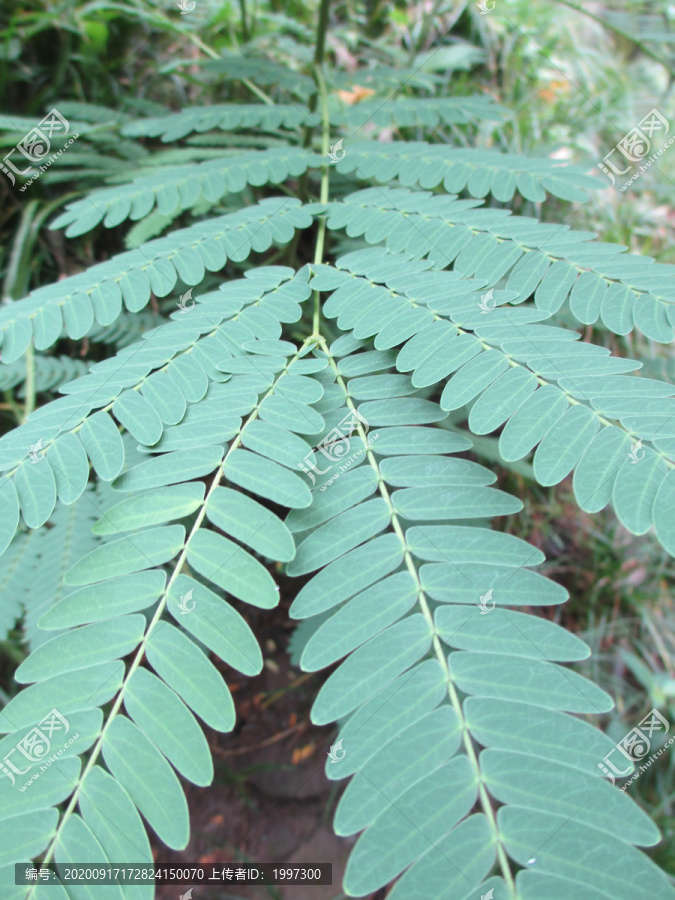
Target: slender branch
x=321, y=30
x=244, y=26
x=325, y=141
x=483, y=795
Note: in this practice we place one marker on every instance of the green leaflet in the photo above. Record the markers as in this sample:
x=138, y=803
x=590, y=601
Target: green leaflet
x=552, y=462
x=356, y=679
x=532, y=637
x=398, y=705
x=248, y=521
x=420, y=817
x=215, y=623
x=70, y=467
x=170, y=468
x=502, y=398
x=349, y=489
x=662, y=512
x=531, y=421
x=186, y=669
x=81, y=648
x=267, y=479
x=459, y=544
x=126, y=555
x=358, y=620
x=26, y=835
x=36, y=489
x=147, y=777
x=455, y=581
x=103, y=444
x=405, y=439
x=171, y=727
x=350, y=573
x=341, y=534
x=119, y=830
x=539, y=683
x=10, y=509
x=156, y=507
x=233, y=569
x=635, y=489
x=121, y=595
x=509, y=725
x=426, y=471
x=630, y=870
x=557, y=789
x=398, y=766
x=71, y=691
x=428, y=504
x=76, y=843
x=458, y=862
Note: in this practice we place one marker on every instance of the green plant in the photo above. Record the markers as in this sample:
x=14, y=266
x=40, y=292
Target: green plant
x=427, y=323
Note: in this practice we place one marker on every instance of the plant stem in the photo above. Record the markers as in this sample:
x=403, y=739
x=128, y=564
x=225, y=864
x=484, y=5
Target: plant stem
x=321, y=30
x=244, y=26
x=325, y=146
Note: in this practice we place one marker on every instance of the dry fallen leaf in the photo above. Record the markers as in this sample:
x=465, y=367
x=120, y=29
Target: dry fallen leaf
x=301, y=753
x=357, y=94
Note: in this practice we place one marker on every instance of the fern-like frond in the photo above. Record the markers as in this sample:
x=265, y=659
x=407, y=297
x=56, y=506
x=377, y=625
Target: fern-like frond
x=529, y=257
x=235, y=66
x=480, y=172
x=405, y=584
x=545, y=388
x=164, y=579
x=97, y=294
x=50, y=372
x=146, y=387
x=32, y=568
x=126, y=329
x=408, y=112
x=226, y=117
x=172, y=190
